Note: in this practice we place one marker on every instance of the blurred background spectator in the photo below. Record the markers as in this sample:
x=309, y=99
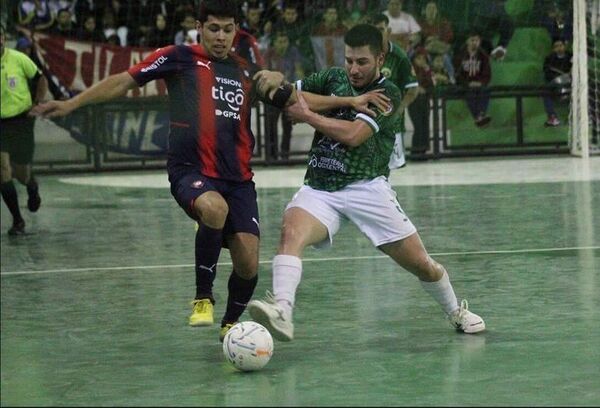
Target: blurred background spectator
x=557, y=72
x=35, y=14
x=405, y=28
x=327, y=39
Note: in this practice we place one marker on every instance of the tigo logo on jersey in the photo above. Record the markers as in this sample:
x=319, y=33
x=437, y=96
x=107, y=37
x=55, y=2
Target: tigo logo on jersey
x=233, y=98
x=157, y=63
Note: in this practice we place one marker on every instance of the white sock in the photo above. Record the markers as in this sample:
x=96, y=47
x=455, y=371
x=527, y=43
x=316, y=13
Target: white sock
x=443, y=293
x=287, y=272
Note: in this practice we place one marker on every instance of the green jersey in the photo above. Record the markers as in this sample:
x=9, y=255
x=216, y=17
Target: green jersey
x=17, y=69
x=398, y=69
x=332, y=165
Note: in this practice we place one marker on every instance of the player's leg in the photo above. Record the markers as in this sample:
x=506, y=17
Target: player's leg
x=373, y=207
x=242, y=234
x=9, y=192
x=397, y=157
x=22, y=158
x=309, y=219
x=200, y=199
x=243, y=248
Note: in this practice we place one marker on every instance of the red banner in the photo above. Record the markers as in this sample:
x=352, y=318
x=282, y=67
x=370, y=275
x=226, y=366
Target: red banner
x=78, y=65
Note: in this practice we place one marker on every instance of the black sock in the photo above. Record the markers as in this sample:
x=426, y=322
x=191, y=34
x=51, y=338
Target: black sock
x=32, y=186
x=9, y=194
x=240, y=293
x=208, y=248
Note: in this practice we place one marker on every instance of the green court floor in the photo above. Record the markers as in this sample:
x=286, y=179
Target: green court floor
x=95, y=300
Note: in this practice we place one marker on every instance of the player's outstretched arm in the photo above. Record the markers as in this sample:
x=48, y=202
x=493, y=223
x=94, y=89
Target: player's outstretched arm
x=350, y=133
x=365, y=103
x=109, y=88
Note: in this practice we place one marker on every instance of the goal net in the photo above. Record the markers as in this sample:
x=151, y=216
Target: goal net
x=584, y=132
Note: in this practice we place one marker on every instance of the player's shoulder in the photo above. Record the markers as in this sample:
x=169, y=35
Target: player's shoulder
x=388, y=85
x=397, y=52
x=16, y=55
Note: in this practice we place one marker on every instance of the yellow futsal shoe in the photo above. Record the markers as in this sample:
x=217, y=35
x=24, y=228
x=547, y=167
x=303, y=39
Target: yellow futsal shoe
x=202, y=313
x=224, y=331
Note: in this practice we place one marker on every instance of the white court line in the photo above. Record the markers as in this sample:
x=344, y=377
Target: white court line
x=122, y=268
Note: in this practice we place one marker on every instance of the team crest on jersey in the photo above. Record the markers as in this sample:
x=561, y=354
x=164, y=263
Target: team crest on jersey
x=197, y=184
x=386, y=72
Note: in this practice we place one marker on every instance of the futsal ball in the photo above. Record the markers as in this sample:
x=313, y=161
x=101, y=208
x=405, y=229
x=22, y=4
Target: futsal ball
x=248, y=346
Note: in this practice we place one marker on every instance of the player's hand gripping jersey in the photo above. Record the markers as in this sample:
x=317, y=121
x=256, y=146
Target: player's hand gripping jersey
x=332, y=165
x=210, y=106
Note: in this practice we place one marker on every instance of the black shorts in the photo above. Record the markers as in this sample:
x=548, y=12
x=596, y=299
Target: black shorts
x=188, y=184
x=16, y=138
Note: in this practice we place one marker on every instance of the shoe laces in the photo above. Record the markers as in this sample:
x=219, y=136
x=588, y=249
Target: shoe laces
x=201, y=305
x=269, y=297
x=463, y=310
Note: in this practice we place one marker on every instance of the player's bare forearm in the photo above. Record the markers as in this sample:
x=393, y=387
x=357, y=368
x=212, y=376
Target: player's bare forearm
x=409, y=97
x=363, y=103
x=343, y=131
x=109, y=88
x=41, y=89
x=349, y=133
x=105, y=90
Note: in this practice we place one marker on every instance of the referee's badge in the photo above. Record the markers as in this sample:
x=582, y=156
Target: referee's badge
x=12, y=82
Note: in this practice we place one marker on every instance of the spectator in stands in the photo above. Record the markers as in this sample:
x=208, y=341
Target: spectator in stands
x=83, y=8
x=35, y=14
x=297, y=31
x=246, y=46
x=557, y=72
x=160, y=35
x=327, y=38
x=283, y=57
x=557, y=19
x=187, y=23
x=473, y=71
x=489, y=19
x=419, y=108
x=405, y=28
x=63, y=25
x=89, y=31
x=256, y=25
x=57, y=5
x=436, y=34
x=110, y=30
x=441, y=75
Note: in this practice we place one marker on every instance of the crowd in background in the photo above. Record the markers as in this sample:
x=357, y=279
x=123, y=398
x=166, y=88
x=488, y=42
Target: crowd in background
x=301, y=37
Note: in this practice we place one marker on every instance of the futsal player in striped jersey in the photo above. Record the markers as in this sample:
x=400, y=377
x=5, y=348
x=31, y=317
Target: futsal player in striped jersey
x=210, y=146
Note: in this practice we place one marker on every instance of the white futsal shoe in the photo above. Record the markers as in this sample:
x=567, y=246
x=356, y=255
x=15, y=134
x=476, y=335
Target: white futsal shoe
x=466, y=321
x=268, y=313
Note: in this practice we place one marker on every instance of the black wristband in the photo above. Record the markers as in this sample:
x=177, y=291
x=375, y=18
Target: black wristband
x=282, y=95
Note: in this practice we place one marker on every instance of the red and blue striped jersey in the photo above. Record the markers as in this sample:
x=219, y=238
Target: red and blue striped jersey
x=209, y=105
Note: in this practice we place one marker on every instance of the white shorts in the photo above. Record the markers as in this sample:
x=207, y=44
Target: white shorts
x=397, y=158
x=371, y=205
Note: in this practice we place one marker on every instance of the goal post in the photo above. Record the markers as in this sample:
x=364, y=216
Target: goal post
x=584, y=121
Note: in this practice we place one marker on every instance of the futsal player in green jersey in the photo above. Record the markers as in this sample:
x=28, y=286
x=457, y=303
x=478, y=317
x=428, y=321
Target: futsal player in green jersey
x=347, y=178
x=17, y=138
x=398, y=69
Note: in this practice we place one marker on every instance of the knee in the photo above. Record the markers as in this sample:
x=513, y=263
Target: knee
x=429, y=270
x=212, y=212
x=5, y=173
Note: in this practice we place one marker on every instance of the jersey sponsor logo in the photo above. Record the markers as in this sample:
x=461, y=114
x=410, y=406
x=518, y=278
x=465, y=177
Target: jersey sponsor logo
x=157, y=63
x=327, y=163
x=204, y=64
x=233, y=98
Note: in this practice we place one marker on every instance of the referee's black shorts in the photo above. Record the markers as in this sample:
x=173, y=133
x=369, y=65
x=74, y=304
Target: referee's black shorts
x=16, y=138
